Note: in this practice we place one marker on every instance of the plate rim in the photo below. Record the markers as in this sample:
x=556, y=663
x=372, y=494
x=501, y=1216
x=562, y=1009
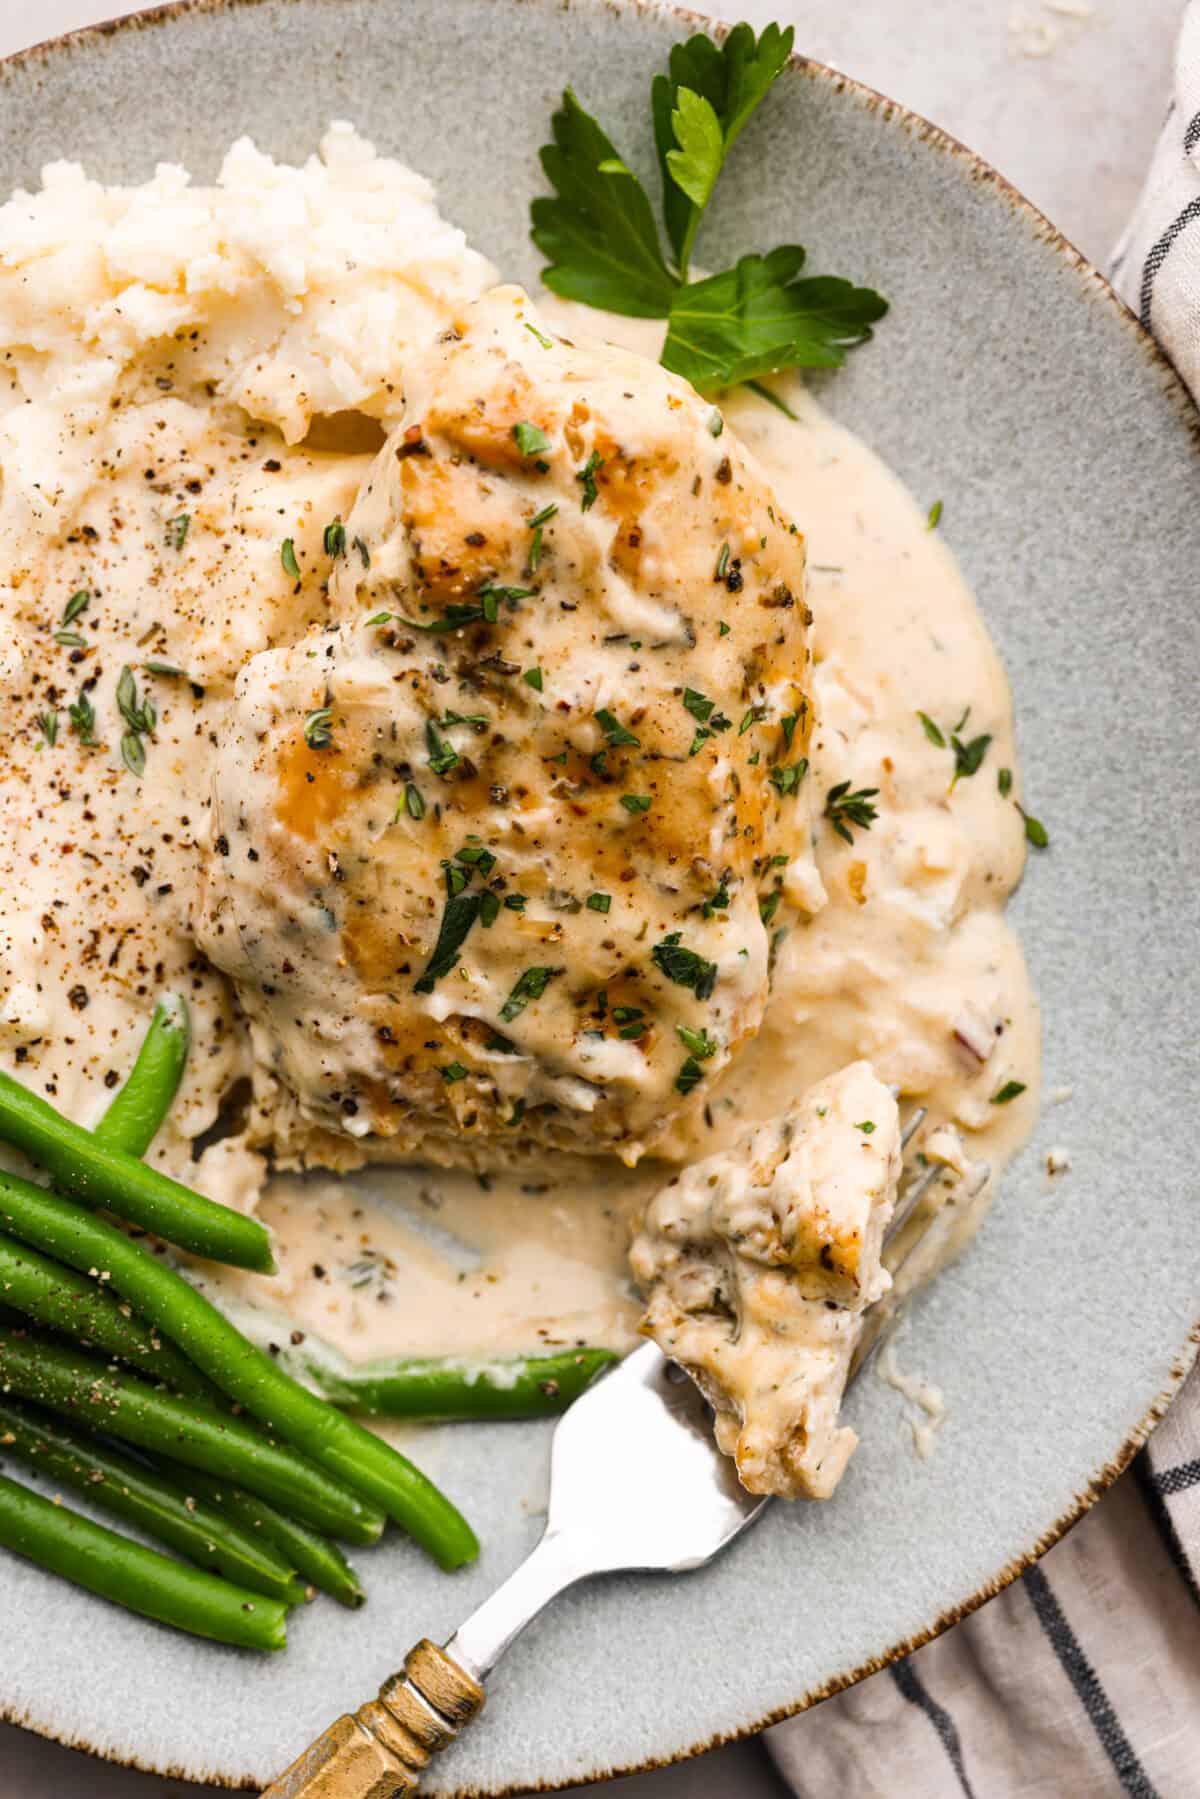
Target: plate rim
x=1093, y=283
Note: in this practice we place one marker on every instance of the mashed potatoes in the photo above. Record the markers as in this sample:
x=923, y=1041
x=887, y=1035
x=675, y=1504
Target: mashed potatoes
x=189, y=377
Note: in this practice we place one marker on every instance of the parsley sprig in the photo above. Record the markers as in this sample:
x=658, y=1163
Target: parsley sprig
x=600, y=239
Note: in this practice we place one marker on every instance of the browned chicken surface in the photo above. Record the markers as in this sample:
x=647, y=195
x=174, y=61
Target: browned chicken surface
x=502, y=850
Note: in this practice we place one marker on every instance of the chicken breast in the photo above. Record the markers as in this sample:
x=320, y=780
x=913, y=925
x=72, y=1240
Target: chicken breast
x=499, y=852
x=757, y=1265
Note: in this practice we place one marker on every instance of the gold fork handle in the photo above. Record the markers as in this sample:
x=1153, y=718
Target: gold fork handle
x=381, y=1750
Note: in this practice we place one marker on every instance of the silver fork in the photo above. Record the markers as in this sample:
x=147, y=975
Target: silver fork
x=636, y=1482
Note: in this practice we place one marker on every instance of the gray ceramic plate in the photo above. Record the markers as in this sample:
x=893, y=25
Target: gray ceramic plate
x=1008, y=379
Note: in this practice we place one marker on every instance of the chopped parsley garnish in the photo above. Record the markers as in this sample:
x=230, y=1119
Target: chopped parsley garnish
x=70, y=640
x=1004, y=780
x=699, y=1043
x=722, y=563
x=77, y=603
x=587, y=475
x=501, y=1046
x=167, y=671
x=636, y=802
x=787, y=725
x=632, y=1022
x=414, y=803
x=334, y=539
x=935, y=516
x=598, y=902
x=723, y=629
x=718, y=901
x=317, y=732
x=616, y=733
x=536, y=524
x=685, y=966
x=547, y=343
x=287, y=555
x=378, y=619
x=48, y=726
x=453, y=1071
x=1035, y=831
x=363, y=552
x=1011, y=1090
x=461, y=911
x=489, y=909
x=786, y=779
x=83, y=721
x=442, y=755
x=932, y=731
x=599, y=235
x=702, y=709
x=530, y=986
x=867, y=1127
x=968, y=756
x=518, y=1111
x=531, y=439
x=177, y=530
x=716, y=424
x=516, y=902
x=476, y=720
x=533, y=678
x=843, y=809
x=690, y=1075
x=476, y=857
x=769, y=905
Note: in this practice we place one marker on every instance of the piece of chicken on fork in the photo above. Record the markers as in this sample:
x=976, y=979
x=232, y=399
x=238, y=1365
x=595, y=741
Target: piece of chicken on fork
x=757, y=1265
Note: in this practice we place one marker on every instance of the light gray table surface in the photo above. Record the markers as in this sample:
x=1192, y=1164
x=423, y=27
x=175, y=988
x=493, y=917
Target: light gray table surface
x=1065, y=98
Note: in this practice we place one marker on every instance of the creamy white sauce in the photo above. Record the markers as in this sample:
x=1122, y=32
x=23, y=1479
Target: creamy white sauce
x=888, y=977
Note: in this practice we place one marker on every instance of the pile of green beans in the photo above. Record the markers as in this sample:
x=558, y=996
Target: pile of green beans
x=138, y=1492
x=140, y=1579
x=190, y=1430
x=97, y=1173
x=250, y=1498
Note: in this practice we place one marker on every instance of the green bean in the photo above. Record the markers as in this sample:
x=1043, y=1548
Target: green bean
x=337, y=1443
x=98, y=1174
x=140, y=1579
x=189, y=1430
x=139, y=1493
x=68, y=1302
x=456, y=1386
x=136, y=1114
x=320, y=1562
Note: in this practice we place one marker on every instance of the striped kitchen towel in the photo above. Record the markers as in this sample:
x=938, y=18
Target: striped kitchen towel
x=1082, y=1679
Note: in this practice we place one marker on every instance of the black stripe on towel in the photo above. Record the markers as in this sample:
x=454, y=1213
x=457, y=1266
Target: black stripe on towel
x=1177, y=1479
x=1088, y=1690
x=1164, y=1524
x=917, y=1693
x=1158, y=255
x=1191, y=136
